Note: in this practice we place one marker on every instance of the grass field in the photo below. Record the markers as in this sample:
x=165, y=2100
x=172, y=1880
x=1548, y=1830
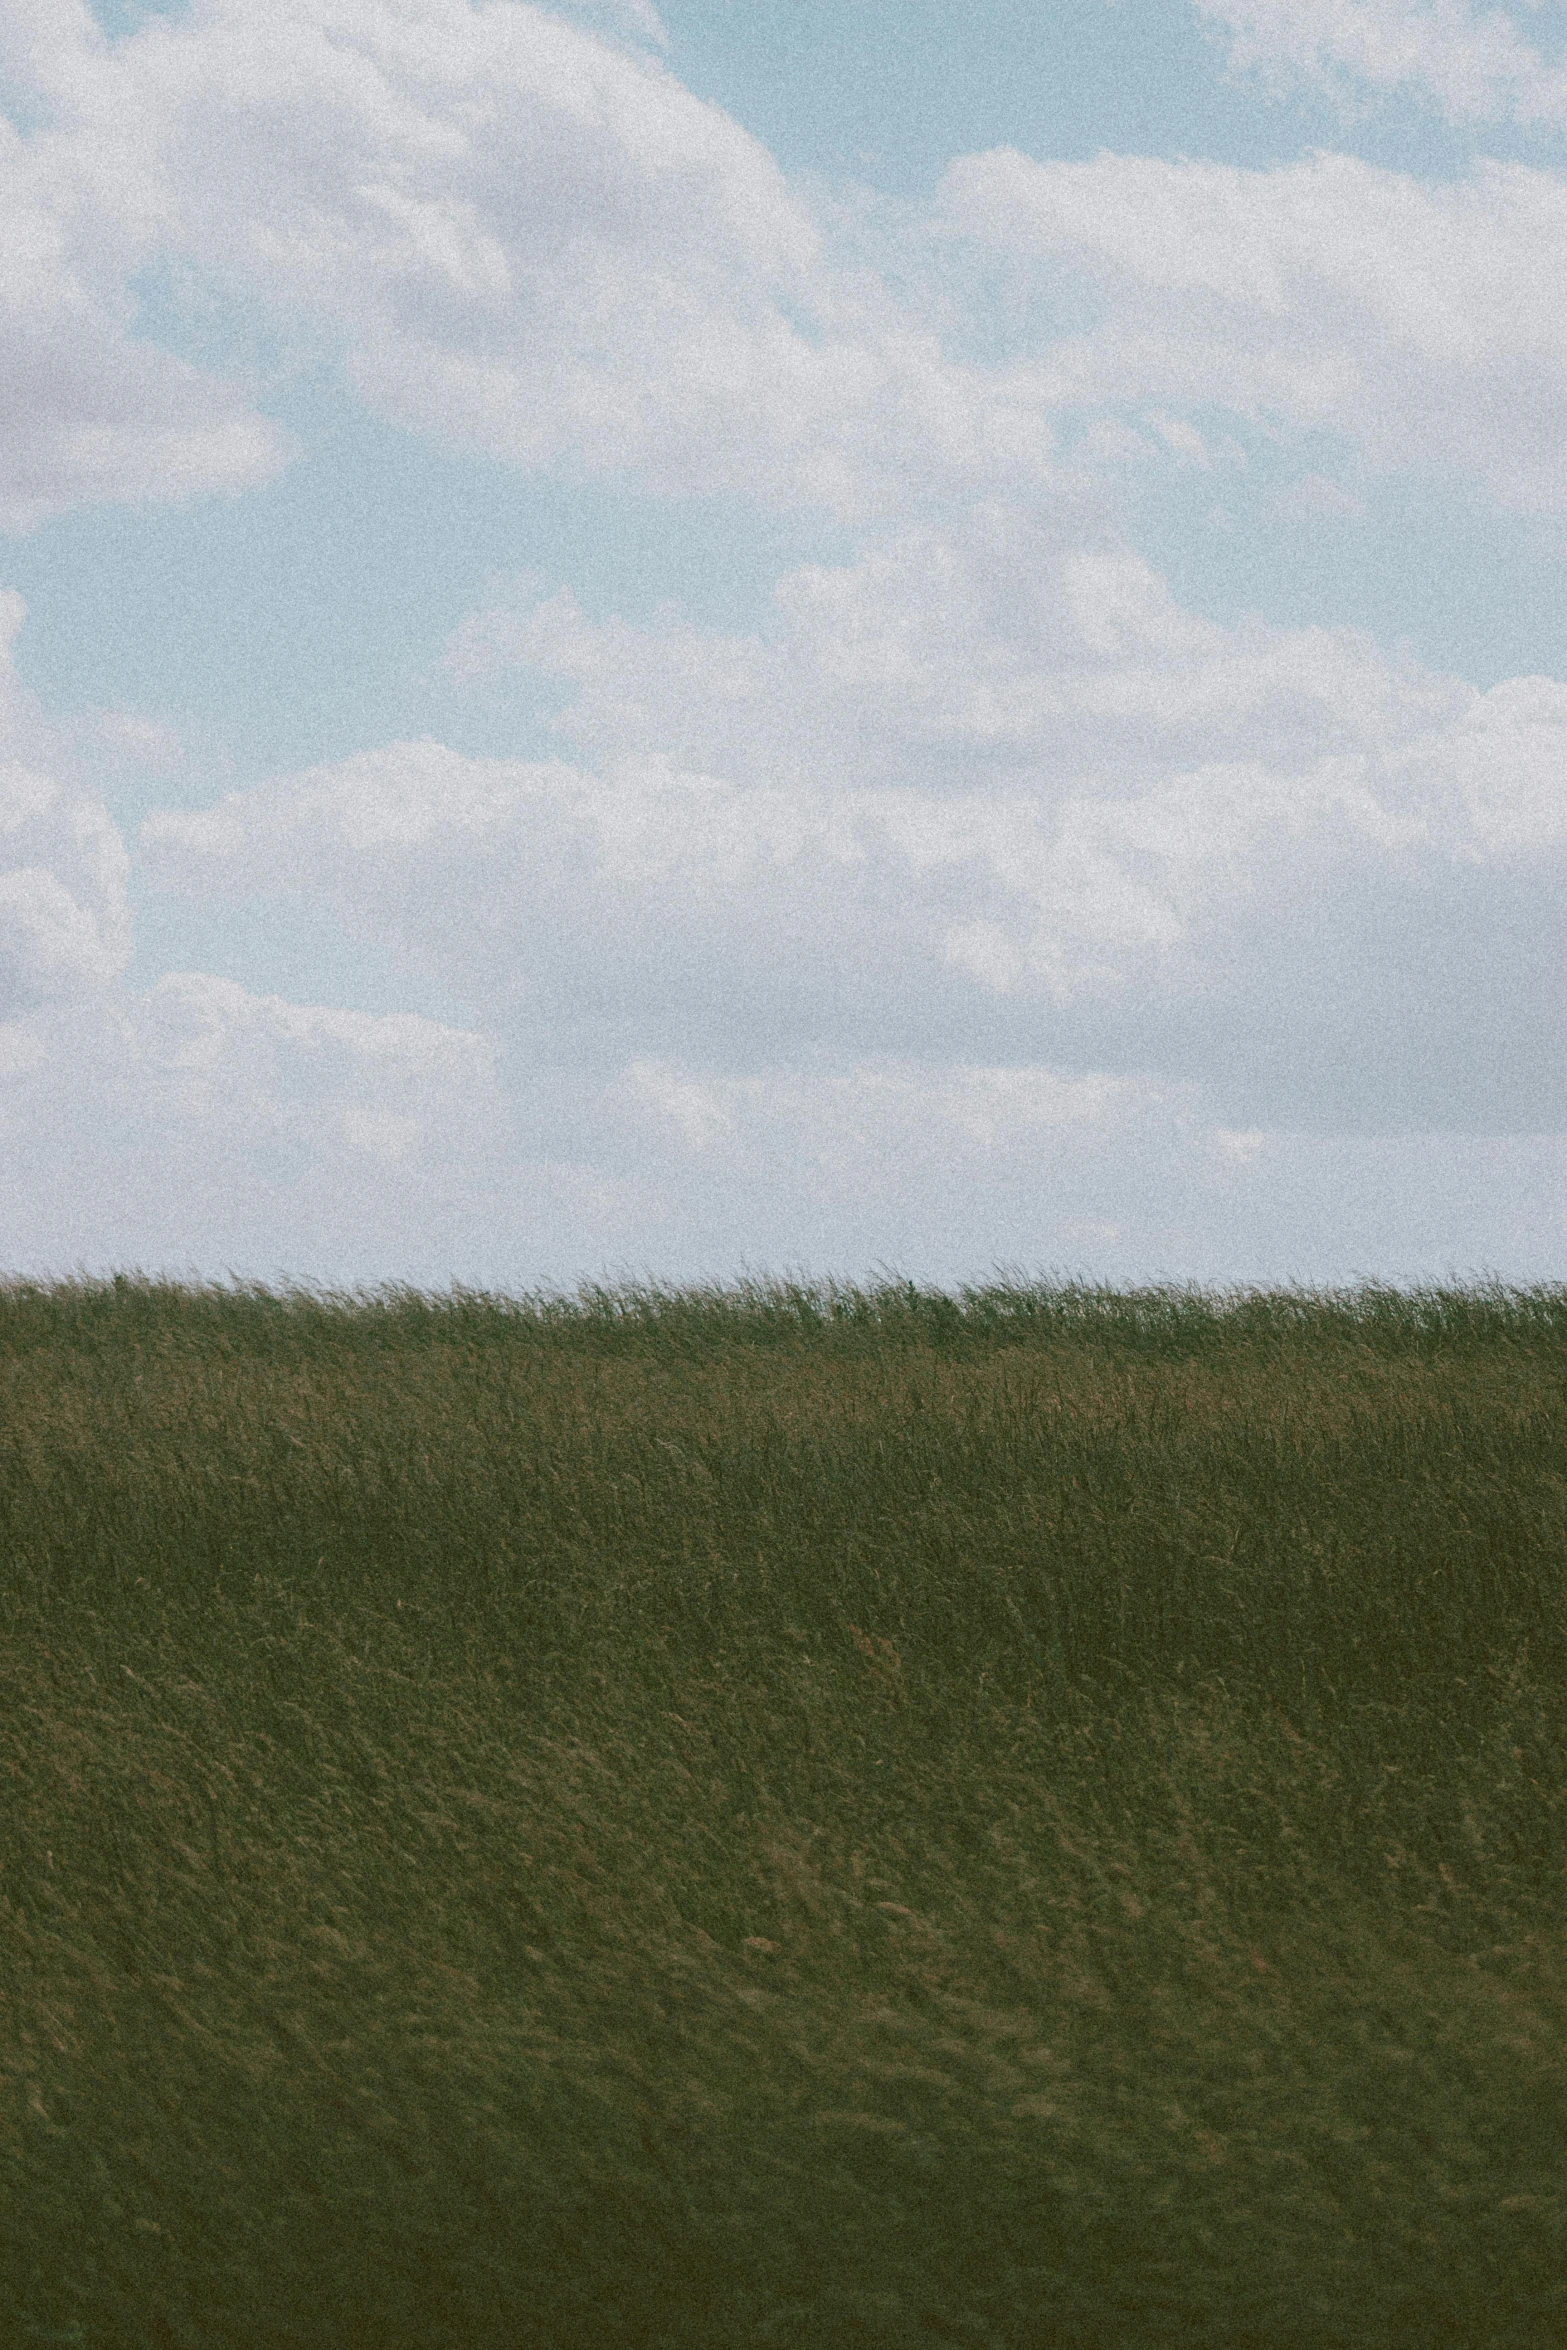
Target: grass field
x=782, y=1817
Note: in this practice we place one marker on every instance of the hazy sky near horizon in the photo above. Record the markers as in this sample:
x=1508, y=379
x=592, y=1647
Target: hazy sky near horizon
x=819, y=637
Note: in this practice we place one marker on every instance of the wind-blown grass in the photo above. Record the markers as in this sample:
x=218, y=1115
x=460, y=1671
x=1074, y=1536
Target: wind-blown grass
x=782, y=1815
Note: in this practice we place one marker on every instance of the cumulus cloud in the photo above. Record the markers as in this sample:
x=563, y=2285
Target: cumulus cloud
x=64, y=917
x=745, y=925
x=1094, y=836
x=1321, y=295
x=1475, y=64
x=524, y=239
x=208, y=1129
x=990, y=646
x=876, y=1123
x=794, y=1020
x=204, y=1124
x=133, y=1116
x=983, y=902
x=955, y=1170
x=92, y=410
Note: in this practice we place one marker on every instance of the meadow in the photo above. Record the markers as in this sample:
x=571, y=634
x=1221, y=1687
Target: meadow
x=782, y=1815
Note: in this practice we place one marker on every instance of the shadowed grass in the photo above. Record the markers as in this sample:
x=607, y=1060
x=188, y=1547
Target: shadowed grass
x=782, y=1815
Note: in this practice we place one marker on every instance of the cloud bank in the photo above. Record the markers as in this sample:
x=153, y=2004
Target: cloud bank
x=984, y=903
x=1030, y=812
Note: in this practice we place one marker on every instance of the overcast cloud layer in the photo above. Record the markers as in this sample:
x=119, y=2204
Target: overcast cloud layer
x=981, y=904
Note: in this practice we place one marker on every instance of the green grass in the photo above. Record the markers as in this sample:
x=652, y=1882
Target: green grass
x=782, y=1816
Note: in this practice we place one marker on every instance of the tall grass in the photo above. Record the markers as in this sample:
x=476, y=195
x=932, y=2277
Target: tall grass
x=785, y=1814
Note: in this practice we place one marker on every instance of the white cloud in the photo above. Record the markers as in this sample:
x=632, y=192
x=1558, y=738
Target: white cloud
x=983, y=903
x=526, y=240
x=92, y=411
x=956, y=1170
x=874, y=1124
x=1498, y=775
x=928, y=819
x=135, y=1117
x=744, y=923
x=207, y=1129
x=1323, y=295
x=807, y=1022
x=51, y=946
x=43, y=42
x=64, y=919
x=991, y=648
x=201, y=1124
x=1475, y=64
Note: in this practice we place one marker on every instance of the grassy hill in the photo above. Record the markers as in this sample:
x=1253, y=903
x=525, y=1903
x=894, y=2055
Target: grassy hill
x=782, y=1816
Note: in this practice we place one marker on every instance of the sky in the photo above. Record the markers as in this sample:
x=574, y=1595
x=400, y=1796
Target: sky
x=920, y=637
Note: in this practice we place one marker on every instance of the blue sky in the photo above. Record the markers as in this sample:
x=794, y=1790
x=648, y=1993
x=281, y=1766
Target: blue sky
x=664, y=640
